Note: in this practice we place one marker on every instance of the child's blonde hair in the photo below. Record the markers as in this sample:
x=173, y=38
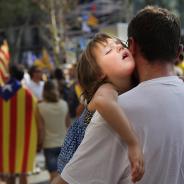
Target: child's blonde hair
x=88, y=71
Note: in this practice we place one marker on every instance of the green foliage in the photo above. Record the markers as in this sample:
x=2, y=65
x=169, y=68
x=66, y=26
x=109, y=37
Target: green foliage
x=16, y=12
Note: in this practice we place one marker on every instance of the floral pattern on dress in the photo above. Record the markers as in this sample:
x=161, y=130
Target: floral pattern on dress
x=73, y=138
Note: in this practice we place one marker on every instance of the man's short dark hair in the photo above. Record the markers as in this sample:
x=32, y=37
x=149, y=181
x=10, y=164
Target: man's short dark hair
x=32, y=70
x=157, y=33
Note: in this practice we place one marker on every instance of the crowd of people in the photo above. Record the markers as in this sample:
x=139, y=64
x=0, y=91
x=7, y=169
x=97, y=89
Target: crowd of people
x=112, y=122
x=35, y=116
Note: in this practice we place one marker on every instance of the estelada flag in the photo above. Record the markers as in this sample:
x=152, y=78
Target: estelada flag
x=18, y=130
x=4, y=62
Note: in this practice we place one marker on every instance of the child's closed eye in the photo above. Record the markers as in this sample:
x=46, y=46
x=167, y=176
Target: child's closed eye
x=108, y=51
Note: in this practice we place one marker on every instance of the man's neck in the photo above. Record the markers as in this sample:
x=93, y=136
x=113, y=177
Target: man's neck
x=148, y=71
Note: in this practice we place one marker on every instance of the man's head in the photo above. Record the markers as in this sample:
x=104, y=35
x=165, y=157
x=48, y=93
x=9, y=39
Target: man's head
x=156, y=32
x=35, y=73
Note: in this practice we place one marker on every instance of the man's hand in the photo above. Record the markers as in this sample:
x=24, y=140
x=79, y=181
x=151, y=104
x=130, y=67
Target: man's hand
x=58, y=180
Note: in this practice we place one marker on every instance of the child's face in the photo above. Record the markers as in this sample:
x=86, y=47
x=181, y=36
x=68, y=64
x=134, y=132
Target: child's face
x=115, y=61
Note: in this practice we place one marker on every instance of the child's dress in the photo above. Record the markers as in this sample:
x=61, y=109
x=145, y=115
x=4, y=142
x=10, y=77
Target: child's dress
x=73, y=138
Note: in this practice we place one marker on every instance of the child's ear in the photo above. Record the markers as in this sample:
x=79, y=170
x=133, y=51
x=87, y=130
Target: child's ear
x=102, y=76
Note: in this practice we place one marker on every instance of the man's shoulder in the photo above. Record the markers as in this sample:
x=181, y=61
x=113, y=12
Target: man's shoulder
x=131, y=93
x=133, y=99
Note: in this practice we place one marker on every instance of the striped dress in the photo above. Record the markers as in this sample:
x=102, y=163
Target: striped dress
x=18, y=130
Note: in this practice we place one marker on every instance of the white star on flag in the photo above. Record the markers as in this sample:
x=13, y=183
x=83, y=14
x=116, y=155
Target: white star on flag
x=7, y=87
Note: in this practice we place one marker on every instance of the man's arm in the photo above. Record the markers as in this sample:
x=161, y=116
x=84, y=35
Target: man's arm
x=59, y=180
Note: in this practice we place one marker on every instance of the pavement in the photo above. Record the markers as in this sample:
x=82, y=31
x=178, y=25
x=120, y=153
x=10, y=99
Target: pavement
x=41, y=178
x=40, y=175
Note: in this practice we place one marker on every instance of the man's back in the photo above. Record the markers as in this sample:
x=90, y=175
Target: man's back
x=155, y=109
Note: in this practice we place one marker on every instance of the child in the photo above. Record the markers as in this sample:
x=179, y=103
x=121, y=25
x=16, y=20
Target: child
x=104, y=71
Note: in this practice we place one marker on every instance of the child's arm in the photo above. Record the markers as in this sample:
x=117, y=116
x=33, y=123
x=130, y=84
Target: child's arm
x=105, y=102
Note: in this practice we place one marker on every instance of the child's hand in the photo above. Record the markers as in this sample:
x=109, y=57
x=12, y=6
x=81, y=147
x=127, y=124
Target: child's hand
x=135, y=156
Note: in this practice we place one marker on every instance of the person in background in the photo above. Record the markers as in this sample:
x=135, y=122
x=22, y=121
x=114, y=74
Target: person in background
x=35, y=84
x=19, y=131
x=53, y=116
x=65, y=89
x=71, y=94
x=152, y=107
x=59, y=78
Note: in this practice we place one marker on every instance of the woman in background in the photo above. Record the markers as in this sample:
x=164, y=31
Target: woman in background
x=53, y=116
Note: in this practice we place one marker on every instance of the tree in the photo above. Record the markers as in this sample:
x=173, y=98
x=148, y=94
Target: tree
x=16, y=16
x=54, y=25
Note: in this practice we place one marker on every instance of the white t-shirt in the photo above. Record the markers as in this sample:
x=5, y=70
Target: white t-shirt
x=54, y=116
x=155, y=108
x=36, y=88
x=104, y=154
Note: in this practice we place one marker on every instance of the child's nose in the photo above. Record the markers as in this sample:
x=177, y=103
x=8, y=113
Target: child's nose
x=119, y=47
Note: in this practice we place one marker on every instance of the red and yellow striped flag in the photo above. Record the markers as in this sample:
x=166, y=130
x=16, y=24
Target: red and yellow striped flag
x=4, y=62
x=18, y=133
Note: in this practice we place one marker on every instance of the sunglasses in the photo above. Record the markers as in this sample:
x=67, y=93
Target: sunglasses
x=119, y=41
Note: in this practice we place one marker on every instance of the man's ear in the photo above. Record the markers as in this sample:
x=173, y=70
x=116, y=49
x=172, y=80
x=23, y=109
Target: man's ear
x=132, y=45
x=180, y=50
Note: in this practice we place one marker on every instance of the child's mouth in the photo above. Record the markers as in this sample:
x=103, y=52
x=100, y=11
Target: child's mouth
x=125, y=55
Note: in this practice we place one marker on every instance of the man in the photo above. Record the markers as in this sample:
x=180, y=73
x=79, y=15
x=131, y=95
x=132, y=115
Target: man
x=35, y=84
x=155, y=108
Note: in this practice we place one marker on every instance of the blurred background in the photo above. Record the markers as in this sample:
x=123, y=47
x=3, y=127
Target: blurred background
x=51, y=34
